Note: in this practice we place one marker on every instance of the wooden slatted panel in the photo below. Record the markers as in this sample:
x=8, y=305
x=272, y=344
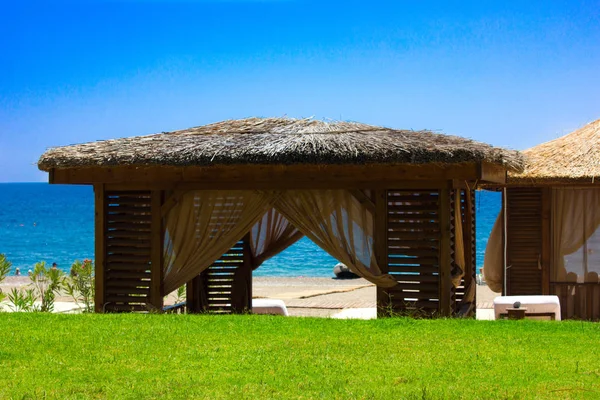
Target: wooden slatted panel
x=468, y=226
x=524, y=241
x=413, y=250
x=578, y=300
x=227, y=282
x=456, y=292
x=128, y=221
x=226, y=285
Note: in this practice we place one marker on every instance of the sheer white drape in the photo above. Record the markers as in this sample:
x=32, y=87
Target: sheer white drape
x=202, y=226
x=338, y=223
x=575, y=219
x=272, y=234
x=494, y=254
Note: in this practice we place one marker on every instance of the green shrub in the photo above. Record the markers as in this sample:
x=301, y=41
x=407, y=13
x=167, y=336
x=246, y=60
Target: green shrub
x=47, y=283
x=21, y=300
x=80, y=286
x=4, y=269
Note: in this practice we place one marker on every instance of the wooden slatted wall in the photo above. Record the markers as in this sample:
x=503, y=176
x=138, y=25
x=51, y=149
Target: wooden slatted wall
x=468, y=226
x=127, y=250
x=457, y=293
x=524, y=241
x=227, y=283
x=414, y=250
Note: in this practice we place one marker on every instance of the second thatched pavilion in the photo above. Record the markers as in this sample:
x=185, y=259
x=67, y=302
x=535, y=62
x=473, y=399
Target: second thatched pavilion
x=205, y=206
x=551, y=244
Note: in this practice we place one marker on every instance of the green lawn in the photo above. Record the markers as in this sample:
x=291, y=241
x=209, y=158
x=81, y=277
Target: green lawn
x=186, y=356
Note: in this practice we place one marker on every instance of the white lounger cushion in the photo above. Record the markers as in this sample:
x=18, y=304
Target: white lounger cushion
x=269, y=306
x=534, y=304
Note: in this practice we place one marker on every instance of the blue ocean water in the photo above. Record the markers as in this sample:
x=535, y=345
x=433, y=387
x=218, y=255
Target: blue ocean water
x=55, y=223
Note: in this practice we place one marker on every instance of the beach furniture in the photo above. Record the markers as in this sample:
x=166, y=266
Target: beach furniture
x=535, y=306
x=269, y=306
x=206, y=206
x=546, y=240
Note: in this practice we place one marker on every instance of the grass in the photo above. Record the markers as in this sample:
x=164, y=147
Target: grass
x=186, y=356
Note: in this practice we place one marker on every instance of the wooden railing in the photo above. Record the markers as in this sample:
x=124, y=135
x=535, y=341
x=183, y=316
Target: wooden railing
x=578, y=300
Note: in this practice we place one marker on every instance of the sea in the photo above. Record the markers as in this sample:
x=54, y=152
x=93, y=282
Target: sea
x=55, y=223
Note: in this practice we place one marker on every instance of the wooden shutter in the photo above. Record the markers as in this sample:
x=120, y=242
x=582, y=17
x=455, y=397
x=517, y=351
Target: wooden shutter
x=468, y=226
x=227, y=283
x=127, y=250
x=524, y=241
x=414, y=250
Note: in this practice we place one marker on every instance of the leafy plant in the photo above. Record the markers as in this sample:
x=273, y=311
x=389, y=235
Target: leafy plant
x=81, y=284
x=21, y=300
x=4, y=269
x=47, y=283
x=180, y=295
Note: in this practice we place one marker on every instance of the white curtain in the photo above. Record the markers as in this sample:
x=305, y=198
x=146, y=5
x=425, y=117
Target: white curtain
x=576, y=246
x=340, y=225
x=493, y=259
x=202, y=226
x=272, y=234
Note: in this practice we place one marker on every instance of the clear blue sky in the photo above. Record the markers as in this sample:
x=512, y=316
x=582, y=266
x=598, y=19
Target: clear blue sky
x=511, y=73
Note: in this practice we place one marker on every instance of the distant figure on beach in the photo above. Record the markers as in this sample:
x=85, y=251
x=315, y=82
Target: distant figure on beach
x=54, y=266
x=17, y=271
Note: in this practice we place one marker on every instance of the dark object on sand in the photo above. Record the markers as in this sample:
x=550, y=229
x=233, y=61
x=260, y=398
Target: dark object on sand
x=341, y=271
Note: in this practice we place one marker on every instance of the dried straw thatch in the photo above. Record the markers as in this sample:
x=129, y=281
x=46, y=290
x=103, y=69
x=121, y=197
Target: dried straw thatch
x=573, y=157
x=279, y=141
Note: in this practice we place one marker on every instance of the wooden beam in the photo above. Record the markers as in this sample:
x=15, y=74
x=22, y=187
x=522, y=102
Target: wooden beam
x=380, y=246
x=444, y=253
x=363, y=199
x=171, y=202
x=100, y=250
x=156, y=251
x=272, y=176
x=187, y=186
x=492, y=173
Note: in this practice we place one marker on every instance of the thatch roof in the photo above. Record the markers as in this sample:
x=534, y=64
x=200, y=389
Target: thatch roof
x=571, y=158
x=279, y=141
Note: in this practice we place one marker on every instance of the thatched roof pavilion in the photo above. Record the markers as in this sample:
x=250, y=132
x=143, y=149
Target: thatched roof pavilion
x=570, y=159
x=280, y=141
x=551, y=223
x=389, y=203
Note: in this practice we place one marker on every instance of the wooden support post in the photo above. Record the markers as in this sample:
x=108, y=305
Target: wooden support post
x=156, y=252
x=99, y=235
x=504, y=215
x=380, y=247
x=445, y=260
x=241, y=296
x=193, y=294
x=546, y=257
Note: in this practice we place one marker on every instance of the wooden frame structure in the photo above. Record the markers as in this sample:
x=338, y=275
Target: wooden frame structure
x=569, y=162
x=529, y=254
x=409, y=181
x=414, y=233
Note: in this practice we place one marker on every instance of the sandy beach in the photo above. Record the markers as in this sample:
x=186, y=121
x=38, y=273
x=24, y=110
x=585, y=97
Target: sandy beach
x=303, y=296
